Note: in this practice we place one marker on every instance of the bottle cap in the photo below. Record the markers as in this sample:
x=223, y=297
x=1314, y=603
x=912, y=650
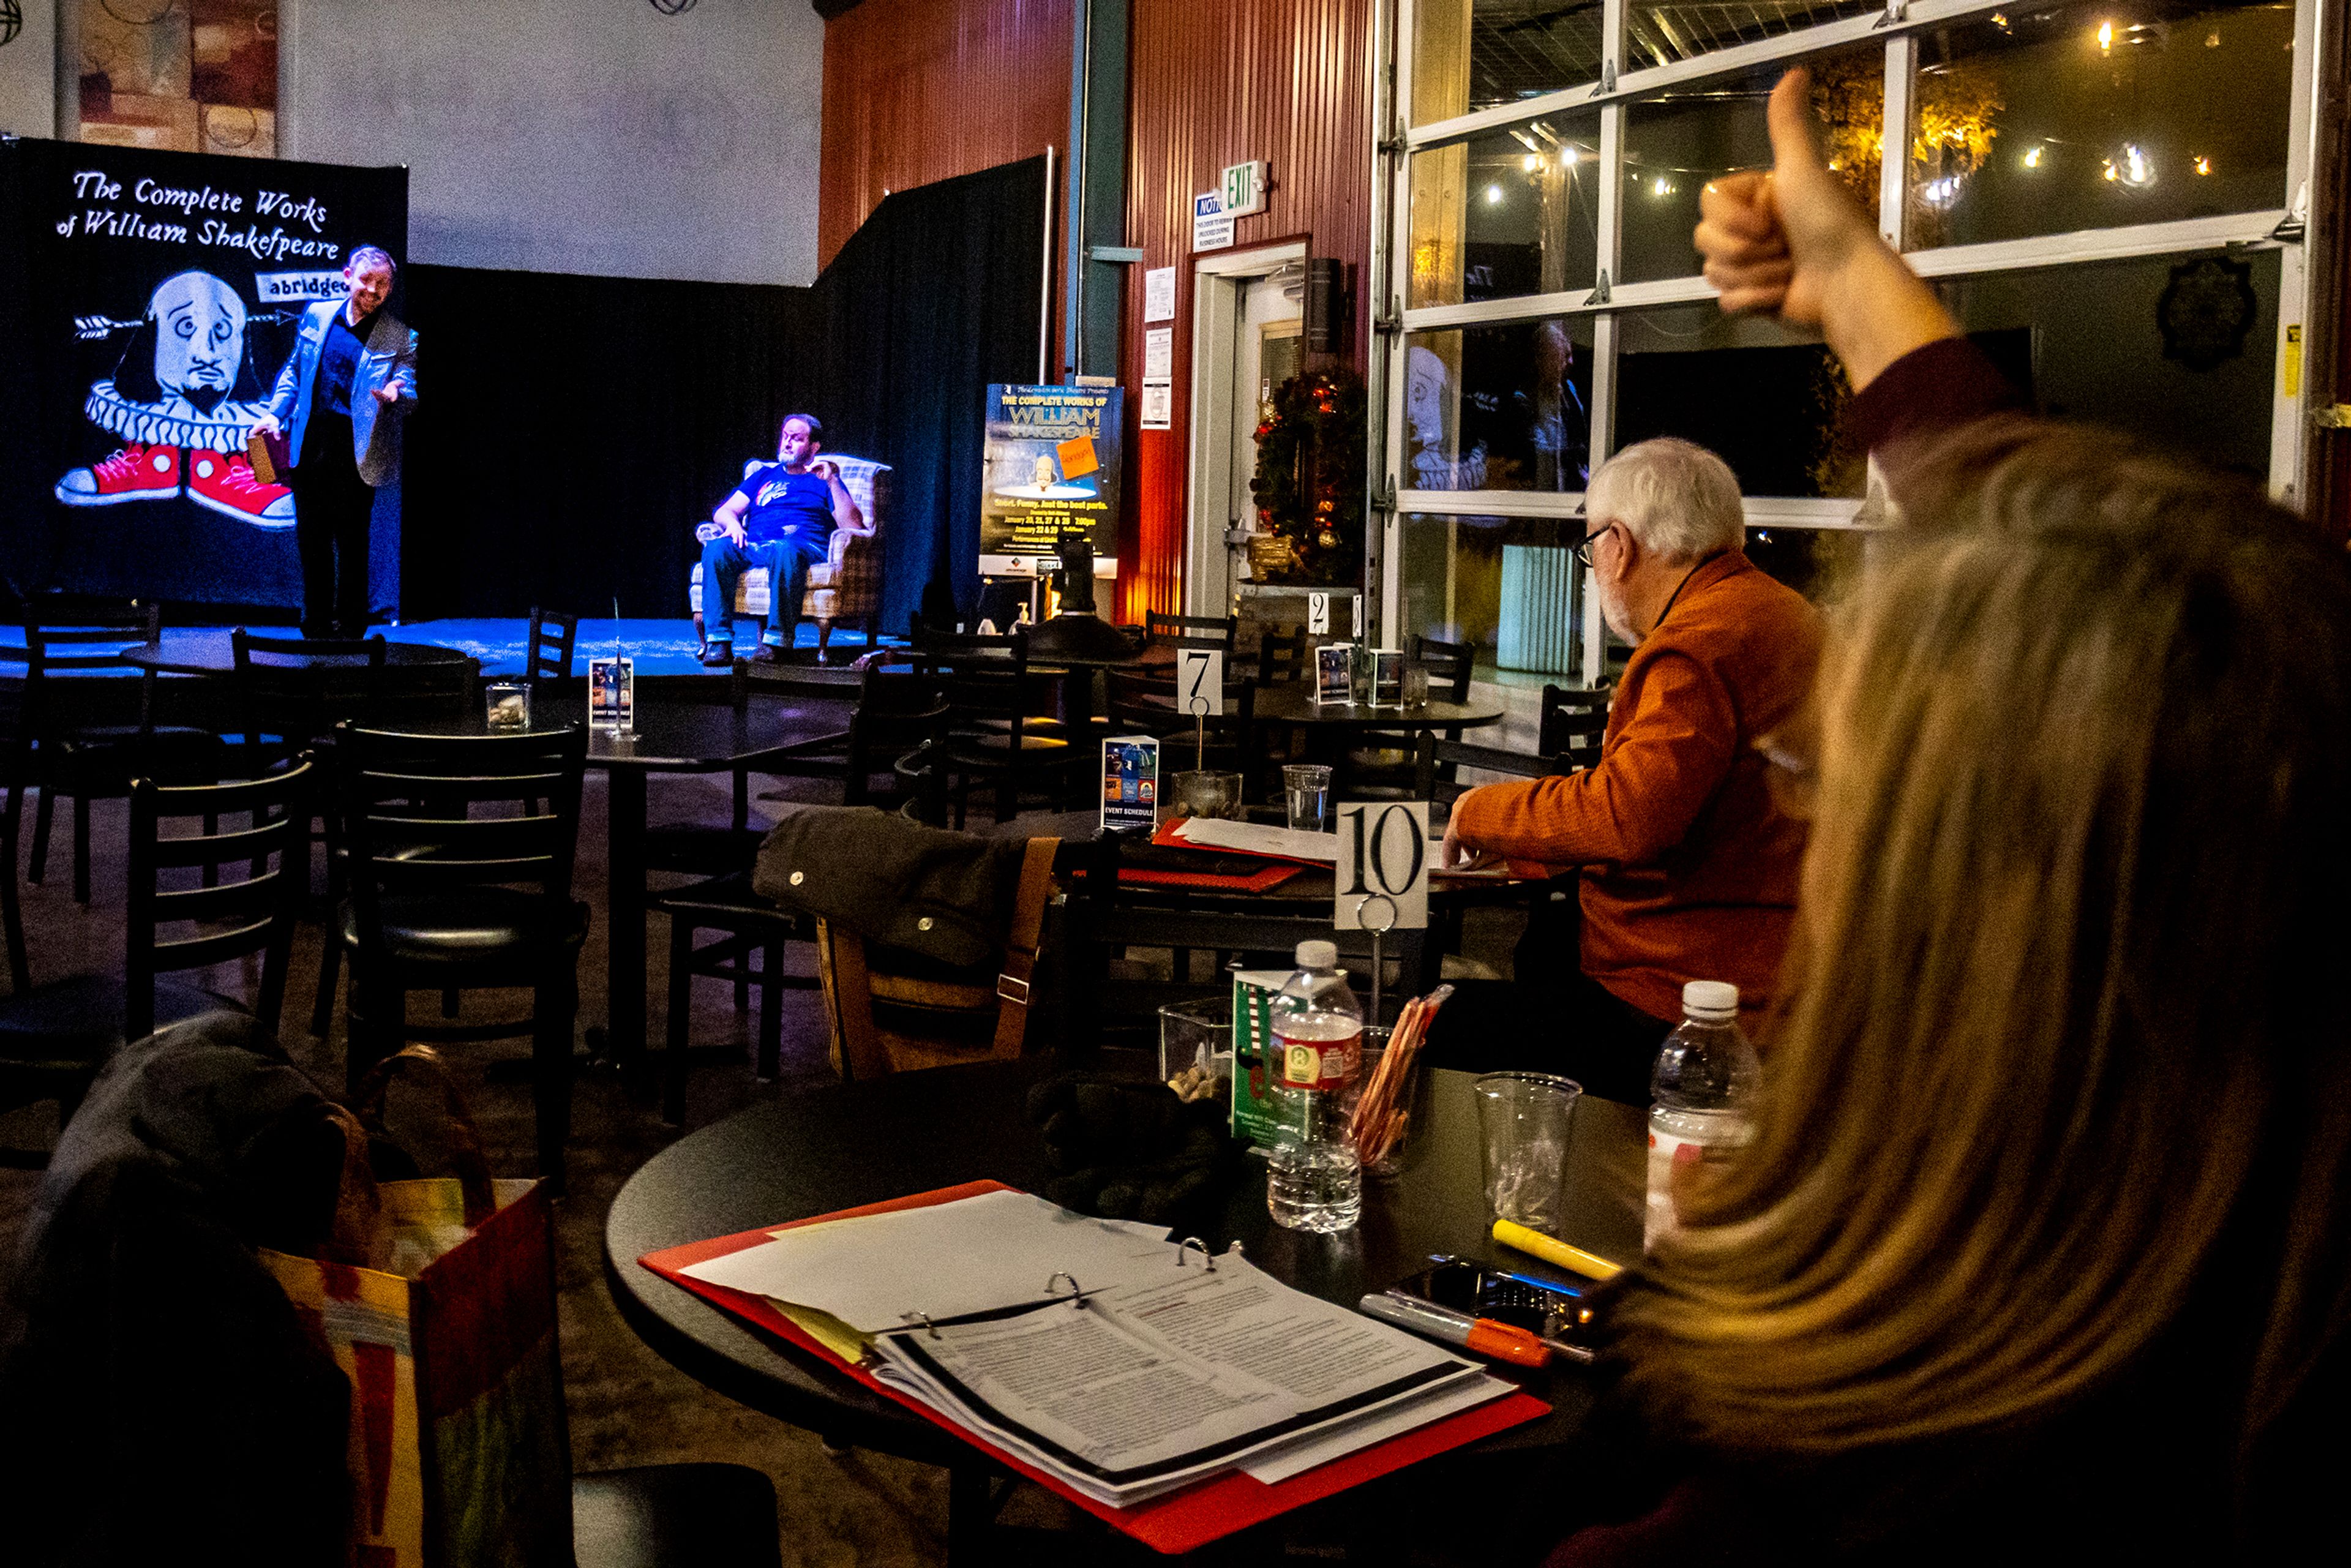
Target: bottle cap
x=1712, y=1000
x=1320, y=956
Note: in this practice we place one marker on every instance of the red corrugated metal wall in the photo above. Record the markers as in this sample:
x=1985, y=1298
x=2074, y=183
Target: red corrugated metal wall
x=1215, y=83
x=917, y=90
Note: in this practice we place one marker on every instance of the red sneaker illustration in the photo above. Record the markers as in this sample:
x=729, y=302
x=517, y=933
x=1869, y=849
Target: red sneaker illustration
x=226, y=485
x=136, y=473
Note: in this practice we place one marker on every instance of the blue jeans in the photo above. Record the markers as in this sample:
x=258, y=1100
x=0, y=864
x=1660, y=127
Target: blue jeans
x=787, y=560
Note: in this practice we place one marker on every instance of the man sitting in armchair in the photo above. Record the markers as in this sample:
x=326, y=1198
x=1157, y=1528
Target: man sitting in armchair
x=781, y=516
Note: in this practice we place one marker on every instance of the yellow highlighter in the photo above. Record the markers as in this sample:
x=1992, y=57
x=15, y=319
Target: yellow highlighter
x=1509, y=1233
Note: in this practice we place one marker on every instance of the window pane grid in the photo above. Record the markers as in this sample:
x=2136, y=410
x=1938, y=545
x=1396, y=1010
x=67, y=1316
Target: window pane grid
x=2173, y=271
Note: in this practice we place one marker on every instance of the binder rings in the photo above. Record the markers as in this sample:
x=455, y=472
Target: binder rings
x=1178, y=1522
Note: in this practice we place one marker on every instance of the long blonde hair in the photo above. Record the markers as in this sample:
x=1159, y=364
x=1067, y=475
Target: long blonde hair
x=2060, y=1023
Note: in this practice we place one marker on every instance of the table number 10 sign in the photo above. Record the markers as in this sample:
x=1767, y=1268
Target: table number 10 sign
x=1383, y=864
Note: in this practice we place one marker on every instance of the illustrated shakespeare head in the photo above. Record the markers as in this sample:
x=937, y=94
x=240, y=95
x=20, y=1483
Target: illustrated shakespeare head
x=189, y=354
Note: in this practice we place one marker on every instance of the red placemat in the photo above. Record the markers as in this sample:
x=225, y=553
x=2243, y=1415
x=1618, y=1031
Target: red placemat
x=1176, y=1522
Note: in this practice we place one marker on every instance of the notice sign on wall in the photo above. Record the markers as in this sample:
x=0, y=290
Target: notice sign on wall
x=1052, y=462
x=1212, y=227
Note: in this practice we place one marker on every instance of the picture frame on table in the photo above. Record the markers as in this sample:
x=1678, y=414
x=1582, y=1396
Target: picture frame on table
x=1334, y=668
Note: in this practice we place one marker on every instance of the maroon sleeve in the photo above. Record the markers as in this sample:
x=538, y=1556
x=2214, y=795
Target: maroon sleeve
x=1936, y=388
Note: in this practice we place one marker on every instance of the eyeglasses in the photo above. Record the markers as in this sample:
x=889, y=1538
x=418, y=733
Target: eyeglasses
x=1582, y=547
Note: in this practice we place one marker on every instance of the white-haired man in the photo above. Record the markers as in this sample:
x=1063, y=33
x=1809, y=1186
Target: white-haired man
x=1687, y=861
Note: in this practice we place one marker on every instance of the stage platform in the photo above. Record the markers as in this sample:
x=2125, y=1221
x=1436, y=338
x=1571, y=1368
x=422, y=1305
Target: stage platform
x=660, y=648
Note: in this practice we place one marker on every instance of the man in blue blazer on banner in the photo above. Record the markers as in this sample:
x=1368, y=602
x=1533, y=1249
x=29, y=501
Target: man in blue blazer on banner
x=340, y=404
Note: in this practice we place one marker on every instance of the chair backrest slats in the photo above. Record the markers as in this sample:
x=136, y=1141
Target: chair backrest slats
x=263, y=905
x=1166, y=630
x=1573, y=719
x=1282, y=655
x=1450, y=666
x=427, y=839
x=251, y=899
x=553, y=633
x=224, y=848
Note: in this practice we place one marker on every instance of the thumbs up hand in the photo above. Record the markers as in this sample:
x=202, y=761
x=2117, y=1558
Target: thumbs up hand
x=1793, y=245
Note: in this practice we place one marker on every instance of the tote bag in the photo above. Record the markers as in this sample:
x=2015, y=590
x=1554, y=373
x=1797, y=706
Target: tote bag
x=437, y=1298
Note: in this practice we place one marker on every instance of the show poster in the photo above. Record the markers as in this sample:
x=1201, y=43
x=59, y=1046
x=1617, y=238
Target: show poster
x=1051, y=463
x=149, y=299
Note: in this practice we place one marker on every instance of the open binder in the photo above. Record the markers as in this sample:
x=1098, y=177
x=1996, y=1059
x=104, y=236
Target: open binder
x=948, y=1368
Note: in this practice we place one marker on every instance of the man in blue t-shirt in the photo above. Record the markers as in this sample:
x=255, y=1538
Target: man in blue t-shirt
x=781, y=516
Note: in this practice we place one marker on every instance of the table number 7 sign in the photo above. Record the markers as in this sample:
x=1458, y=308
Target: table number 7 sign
x=1383, y=868
x=1200, y=682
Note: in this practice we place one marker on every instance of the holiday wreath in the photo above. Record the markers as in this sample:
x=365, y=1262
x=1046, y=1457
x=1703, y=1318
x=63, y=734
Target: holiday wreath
x=1310, y=480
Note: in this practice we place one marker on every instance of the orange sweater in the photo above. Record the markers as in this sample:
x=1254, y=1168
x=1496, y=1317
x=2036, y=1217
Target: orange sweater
x=1688, y=867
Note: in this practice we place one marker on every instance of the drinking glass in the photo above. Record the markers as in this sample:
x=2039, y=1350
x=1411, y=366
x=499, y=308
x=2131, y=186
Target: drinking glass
x=1306, y=789
x=1522, y=1122
x=1415, y=686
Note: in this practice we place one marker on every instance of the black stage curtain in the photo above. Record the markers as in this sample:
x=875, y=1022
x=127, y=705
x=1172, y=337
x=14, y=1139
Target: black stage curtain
x=573, y=430
x=933, y=298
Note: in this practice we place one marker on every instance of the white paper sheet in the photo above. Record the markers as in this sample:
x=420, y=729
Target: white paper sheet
x=1148, y=1376
x=1320, y=1449
x=945, y=1259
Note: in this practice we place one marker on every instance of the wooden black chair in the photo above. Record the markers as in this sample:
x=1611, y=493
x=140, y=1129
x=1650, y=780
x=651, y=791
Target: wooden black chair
x=441, y=899
x=995, y=739
x=1283, y=655
x=54, y=1038
x=900, y=715
x=1164, y=631
x=696, y=848
x=548, y=656
x=289, y=696
x=1382, y=764
x=1437, y=762
x=1145, y=702
x=1573, y=721
x=96, y=761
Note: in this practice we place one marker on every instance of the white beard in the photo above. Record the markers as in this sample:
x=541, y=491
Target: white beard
x=1618, y=614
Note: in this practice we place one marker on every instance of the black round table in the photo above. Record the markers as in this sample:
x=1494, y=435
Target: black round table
x=1292, y=701
x=837, y=1146
x=209, y=651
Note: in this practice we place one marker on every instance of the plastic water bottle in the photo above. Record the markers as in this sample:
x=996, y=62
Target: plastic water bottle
x=1316, y=1183
x=1703, y=1104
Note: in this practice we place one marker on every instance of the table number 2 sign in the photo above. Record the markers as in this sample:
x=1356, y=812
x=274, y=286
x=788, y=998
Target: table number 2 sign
x=1383, y=864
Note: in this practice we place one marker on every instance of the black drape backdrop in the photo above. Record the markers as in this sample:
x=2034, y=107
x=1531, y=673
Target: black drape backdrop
x=571, y=431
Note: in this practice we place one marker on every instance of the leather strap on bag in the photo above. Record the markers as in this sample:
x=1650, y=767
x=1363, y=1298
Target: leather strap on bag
x=473, y=1167
x=1012, y=986
x=357, y=1205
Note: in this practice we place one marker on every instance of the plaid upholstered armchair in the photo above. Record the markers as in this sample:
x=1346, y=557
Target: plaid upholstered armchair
x=845, y=587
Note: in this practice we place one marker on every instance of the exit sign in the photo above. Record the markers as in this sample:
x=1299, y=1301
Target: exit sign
x=1243, y=189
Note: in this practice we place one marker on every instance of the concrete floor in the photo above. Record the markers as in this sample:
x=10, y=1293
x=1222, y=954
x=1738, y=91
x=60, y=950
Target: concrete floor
x=627, y=1406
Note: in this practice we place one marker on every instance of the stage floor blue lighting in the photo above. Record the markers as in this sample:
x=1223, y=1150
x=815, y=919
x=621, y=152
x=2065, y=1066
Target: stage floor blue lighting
x=659, y=647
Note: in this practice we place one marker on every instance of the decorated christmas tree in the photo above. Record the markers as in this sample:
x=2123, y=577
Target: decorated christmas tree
x=1310, y=481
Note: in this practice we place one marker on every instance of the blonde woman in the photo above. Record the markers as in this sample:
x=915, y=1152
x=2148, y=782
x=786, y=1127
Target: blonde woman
x=2042, y=1249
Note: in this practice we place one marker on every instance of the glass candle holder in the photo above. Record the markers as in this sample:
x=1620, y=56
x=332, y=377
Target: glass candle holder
x=506, y=707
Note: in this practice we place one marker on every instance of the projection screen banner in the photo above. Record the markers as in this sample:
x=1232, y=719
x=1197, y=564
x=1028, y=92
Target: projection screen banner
x=148, y=301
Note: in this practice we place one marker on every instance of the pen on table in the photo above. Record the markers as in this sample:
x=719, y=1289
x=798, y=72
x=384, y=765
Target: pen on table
x=1483, y=1336
x=1589, y=1264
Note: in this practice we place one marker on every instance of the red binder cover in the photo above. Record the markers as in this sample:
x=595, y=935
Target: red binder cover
x=1179, y=1521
